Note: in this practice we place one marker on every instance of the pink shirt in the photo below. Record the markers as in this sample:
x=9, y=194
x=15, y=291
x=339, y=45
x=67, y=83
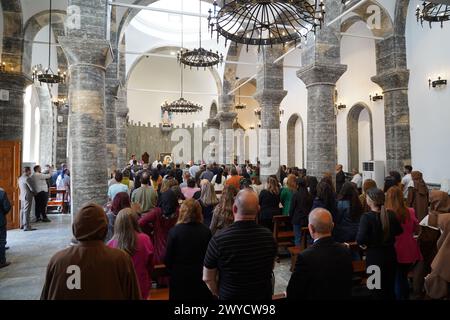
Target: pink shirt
x=406, y=246
x=143, y=262
x=188, y=193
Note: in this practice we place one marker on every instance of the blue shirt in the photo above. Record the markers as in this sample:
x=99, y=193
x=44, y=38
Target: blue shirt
x=115, y=189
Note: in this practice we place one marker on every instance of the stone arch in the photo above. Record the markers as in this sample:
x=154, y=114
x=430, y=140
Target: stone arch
x=213, y=71
x=292, y=141
x=353, y=134
x=360, y=14
x=12, y=32
x=33, y=26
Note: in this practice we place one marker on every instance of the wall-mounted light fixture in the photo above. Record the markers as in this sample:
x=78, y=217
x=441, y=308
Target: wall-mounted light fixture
x=252, y=127
x=437, y=83
x=340, y=106
x=4, y=69
x=376, y=97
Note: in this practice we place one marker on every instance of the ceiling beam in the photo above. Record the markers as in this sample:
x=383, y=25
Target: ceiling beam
x=135, y=6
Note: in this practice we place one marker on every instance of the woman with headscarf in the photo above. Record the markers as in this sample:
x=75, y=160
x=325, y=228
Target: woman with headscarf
x=105, y=273
x=428, y=237
x=418, y=195
x=437, y=284
x=157, y=224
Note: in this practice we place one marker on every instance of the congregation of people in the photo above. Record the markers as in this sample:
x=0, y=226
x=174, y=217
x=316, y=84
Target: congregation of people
x=211, y=227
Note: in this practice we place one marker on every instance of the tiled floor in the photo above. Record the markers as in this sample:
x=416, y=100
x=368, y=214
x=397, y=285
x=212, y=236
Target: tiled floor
x=30, y=252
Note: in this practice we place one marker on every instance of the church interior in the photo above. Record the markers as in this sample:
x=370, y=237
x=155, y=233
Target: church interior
x=159, y=130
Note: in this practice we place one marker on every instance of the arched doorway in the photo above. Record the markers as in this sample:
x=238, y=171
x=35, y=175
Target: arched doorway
x=360, y=135
x=295, y=142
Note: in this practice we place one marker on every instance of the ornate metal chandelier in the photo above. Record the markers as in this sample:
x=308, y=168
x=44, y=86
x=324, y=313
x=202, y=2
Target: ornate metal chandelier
x=47, y=75
x=199, y=57
x=266, y=22
x=181, y=106
x=433, y=12
x=240, y=106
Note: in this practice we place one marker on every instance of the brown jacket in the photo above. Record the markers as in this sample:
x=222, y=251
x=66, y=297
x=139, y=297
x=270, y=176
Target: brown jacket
x=104, y=273
x=418, y=195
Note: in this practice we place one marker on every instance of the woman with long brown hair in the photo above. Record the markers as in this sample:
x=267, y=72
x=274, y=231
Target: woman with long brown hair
x=377, y=231
x=406, y=246
x=349, y=211
x=367, y=184
x=223, y=212
x=129, y=238
x=186, y=248
x=269, y=201
x=287, y=192
x=208, y=200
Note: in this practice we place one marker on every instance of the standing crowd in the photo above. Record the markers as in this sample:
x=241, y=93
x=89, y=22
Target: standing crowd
x=210, y=226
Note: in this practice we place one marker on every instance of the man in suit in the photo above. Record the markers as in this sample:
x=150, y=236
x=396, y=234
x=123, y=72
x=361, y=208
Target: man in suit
x=340, y=178
x=324, y=270
x=27, y=192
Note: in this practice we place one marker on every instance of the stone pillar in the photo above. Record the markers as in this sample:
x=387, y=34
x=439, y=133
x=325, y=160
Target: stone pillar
x=226, y=143
x=393, y=77
x=11, y=107
x=88, y=53
x=320, y=72
x=269, y=94
x=121, y=127
x=112, y=83
x=46, y=124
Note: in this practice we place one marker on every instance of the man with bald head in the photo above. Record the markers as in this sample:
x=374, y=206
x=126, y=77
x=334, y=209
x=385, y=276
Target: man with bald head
x=243, y=255
x=324, y=270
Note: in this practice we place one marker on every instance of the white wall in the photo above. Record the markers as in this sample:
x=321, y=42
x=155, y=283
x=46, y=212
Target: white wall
x=164, y=74
x=428, y=57
x=355, y=87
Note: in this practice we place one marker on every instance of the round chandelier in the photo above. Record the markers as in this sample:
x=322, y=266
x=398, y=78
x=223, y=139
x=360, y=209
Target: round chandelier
x=199, y=57
x=433, y=12
x=181, y=106
x=266, y=22
x=47, y=75
x=240, y=106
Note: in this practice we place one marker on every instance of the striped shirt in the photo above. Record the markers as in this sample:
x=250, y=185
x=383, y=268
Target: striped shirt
x=244, y=255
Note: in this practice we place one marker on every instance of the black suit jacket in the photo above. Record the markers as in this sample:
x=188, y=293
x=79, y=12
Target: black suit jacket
x=322, y=272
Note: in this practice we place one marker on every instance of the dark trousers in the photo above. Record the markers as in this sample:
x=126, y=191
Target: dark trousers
x=401, y=281
x=41, y=205
x=2, y=243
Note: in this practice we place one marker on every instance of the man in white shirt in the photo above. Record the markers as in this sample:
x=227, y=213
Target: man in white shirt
x=41, y=186
x=357, y=179
x=406, y=180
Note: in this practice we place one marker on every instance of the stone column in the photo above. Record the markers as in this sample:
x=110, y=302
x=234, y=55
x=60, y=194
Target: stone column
x=320, y=72
x=88, y=53
x=111, y=87
x=226, y=143
x=121, y=127
x=46, y=124
x=11, y=105
x=269, y=94
x=393, y=77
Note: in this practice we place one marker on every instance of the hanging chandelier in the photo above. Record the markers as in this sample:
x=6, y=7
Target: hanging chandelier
x=181, y=106
x=240, y=106
x=433, y=12
x=47, y=75
x=266, y=22
x=199, y=57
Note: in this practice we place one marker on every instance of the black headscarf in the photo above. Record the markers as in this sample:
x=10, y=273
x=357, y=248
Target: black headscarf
x=168, y=203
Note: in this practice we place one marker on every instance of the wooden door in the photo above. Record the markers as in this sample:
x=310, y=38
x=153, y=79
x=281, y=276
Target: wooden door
x=9, y=173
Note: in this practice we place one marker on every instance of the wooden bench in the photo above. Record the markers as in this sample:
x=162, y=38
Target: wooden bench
x=282, y=231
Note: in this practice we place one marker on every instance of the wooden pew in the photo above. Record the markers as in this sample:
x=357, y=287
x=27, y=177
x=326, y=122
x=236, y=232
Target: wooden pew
x=282, y=231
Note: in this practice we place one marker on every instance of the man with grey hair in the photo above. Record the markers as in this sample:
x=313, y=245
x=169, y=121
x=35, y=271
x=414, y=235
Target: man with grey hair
x=243, y=254
x=324, y=270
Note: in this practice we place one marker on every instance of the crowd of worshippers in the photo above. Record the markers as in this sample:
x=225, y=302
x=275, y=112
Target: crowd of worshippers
x=211, y=226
